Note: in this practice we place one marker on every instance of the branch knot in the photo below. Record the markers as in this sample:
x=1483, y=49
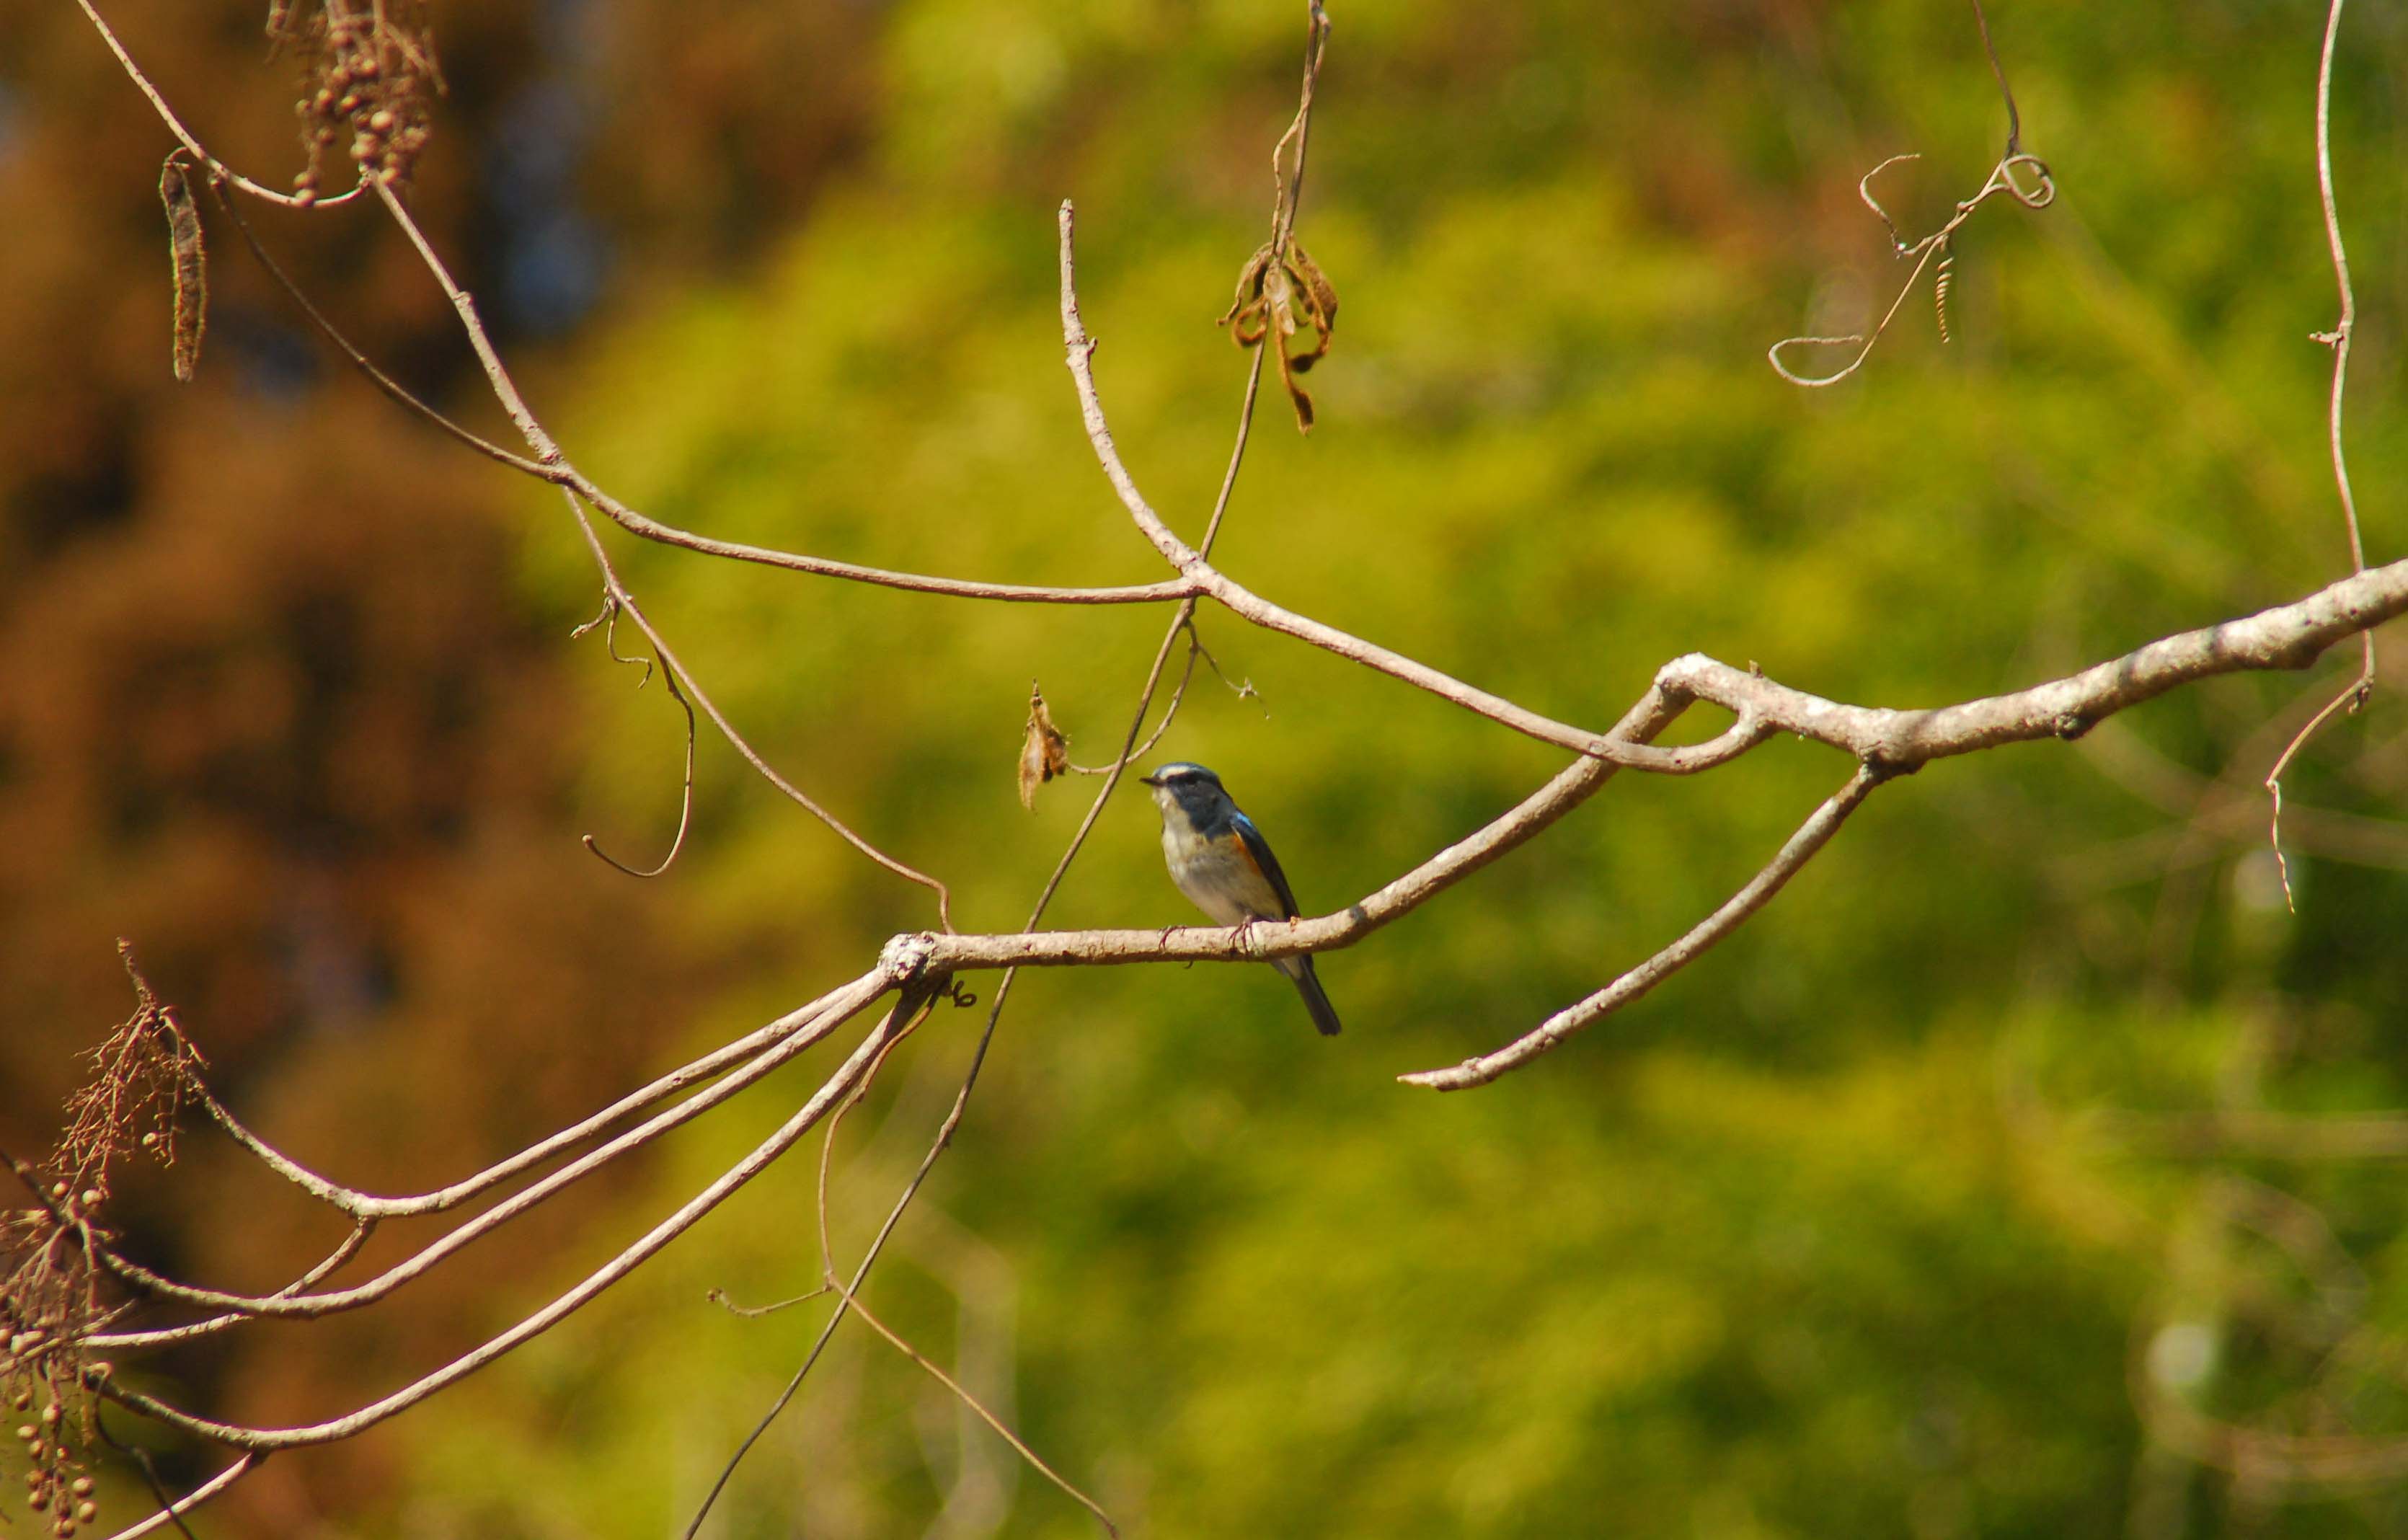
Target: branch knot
x=905, y=958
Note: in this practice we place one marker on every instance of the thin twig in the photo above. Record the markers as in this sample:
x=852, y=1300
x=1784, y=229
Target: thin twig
x=2355, y=696
x=1183, y=620
x=839, y=1008
x=175, y=126
x=852, y=1301
x=1002, y=1431
x=1933, y=247
x=1811, y=836
x=134, y=1341
x=892, y=972
x=625, y=600
x=609, y=622
x=2014, y=119
x=392, y=388
x=169, y=1508
x=174, y=1512
x=1079, y=349
x=1941, y=243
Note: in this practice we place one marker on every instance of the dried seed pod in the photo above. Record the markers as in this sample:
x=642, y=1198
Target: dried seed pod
x=189, y=261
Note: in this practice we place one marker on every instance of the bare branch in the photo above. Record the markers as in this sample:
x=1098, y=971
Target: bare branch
x=1811, y=836
x=175, y=126
x=174, y=1512
x=839, y=1008
x=610, y=621
x=618, y=593
x=236, y=1436
x=2287, y=636
x=2338, y=338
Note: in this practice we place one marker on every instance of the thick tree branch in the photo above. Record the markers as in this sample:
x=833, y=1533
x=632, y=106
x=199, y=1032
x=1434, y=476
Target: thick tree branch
x=1891, y=741
x=2288, y=635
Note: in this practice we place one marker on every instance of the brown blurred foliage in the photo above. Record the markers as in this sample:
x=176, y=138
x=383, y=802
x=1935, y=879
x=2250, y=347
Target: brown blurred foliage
x=274, y=709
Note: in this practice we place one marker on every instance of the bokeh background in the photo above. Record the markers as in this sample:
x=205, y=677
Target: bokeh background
x=1986, y=1185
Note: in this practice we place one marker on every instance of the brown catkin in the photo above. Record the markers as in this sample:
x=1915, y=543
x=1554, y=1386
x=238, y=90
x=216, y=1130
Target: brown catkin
x=189, y=262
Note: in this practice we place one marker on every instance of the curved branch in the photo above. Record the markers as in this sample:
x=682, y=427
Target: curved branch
x=1811, y=836
x=236, y=1436
x=840, y=1007
x=174, y=1512
x=218, y=168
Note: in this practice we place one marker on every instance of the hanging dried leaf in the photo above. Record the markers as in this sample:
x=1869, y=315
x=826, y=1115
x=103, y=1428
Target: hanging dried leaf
x=189, y=262
x=1044, y=752
x=1279, y=295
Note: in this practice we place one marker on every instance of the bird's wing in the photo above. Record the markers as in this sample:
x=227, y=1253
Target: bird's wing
x=1261, y=852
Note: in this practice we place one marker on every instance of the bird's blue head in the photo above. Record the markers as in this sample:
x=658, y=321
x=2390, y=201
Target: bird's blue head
x=1193, y=792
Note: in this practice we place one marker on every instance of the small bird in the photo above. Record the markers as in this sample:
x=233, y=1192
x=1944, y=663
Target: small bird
x=1220, y=861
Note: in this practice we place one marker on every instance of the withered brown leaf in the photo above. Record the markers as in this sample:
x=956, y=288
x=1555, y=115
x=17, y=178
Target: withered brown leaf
x=1280, y=292
x=1044, y=752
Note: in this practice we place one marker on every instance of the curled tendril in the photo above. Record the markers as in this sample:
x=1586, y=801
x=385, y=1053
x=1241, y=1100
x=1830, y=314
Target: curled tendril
x=1936, y=248
x=608, y=619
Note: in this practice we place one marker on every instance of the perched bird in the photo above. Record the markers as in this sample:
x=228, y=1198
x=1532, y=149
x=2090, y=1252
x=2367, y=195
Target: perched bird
x=1218, y=860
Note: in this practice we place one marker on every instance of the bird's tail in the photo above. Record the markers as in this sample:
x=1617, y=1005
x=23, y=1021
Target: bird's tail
x=1308, y=984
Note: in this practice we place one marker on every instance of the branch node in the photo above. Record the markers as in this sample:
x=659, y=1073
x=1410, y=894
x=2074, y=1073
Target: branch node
x=905, y=958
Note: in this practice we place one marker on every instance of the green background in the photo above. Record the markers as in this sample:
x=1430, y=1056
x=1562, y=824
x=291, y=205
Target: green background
x=1860, y=1227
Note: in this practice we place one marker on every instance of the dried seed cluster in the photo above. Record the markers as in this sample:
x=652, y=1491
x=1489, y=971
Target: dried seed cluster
x=367, y=75
x=50, y=1292
x=58, y=1488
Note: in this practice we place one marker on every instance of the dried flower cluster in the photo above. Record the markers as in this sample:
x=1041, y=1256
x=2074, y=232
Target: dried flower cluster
x=49, y=1279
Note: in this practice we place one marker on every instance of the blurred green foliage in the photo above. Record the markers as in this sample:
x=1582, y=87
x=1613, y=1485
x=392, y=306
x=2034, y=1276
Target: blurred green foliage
x=1823, y=1239
x=1859, y=1227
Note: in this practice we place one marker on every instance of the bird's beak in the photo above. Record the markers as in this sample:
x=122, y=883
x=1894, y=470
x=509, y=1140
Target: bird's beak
x=1149, y=780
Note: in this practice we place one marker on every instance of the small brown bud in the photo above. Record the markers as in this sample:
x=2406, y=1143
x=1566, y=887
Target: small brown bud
x=59, y=1190
x=41, y=1500
x=91, y=1197
x=380, y=121
x=87, y=1511
x=351, y=101
x=389, y=173
x=49, y=1414
x=25, y=1432
x=35, y=1451
x=81, y=1487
